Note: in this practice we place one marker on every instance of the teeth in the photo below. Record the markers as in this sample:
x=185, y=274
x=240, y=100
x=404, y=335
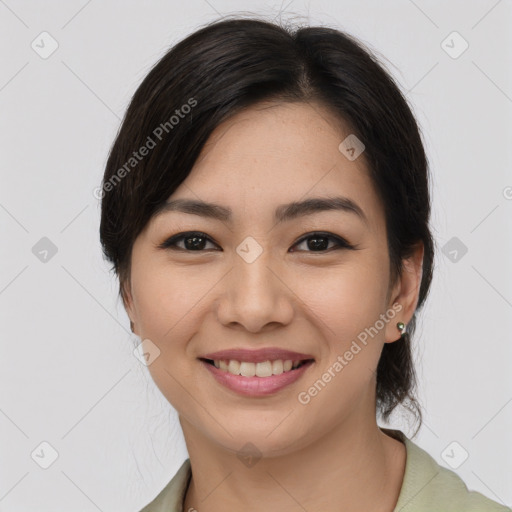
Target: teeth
x=234, y=367
x=263, y=369
x=248, y=369
x=277, y=367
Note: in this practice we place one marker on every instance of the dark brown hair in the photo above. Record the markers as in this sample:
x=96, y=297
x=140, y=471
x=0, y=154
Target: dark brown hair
x=231, y=64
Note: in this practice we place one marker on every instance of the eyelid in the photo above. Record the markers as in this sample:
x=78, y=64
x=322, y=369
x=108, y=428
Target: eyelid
x=341, y=243
x=169, y=243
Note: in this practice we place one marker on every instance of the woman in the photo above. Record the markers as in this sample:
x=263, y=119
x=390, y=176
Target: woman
x=266, y=208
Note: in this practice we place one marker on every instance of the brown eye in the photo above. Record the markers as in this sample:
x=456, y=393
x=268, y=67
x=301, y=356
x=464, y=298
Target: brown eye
x=194, y=241
x=319, y=242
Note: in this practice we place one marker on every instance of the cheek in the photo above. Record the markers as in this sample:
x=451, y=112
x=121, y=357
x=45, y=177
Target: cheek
x=168, y=312
x=346, y=299
x=172, y=305
x=164, y=301
x=345, y=309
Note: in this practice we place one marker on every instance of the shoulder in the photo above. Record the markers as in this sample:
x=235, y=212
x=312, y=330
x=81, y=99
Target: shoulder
x=170, y=499
x=429, y=487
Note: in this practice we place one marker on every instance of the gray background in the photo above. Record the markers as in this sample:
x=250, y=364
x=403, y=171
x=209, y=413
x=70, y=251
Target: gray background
x=68, y=374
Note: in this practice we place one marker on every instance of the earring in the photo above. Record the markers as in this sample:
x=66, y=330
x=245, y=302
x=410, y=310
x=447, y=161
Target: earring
x=401, y=327
x=131, y=326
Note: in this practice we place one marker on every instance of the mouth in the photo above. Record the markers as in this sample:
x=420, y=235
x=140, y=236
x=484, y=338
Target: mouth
x=261, y=369
x=256, y=380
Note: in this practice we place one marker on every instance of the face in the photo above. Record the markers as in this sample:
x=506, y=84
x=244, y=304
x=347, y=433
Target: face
x=316, y=282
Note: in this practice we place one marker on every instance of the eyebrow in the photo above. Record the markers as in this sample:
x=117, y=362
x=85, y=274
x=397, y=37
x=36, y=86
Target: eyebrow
x=283, y=213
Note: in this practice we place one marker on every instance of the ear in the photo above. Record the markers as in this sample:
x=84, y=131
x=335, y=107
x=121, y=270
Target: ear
x=405, y=293
x=126, y=295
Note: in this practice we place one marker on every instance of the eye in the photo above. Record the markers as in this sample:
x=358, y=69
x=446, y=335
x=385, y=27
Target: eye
x=195, y=241
x=320, y=241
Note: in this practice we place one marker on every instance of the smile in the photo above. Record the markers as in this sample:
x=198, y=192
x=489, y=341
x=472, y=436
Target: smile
x=256, y=379
x=250, y=369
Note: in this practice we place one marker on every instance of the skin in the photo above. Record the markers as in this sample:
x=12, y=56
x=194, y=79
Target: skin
x=311, y=301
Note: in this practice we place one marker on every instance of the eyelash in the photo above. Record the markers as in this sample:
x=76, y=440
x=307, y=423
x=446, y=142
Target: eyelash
x=170, y=243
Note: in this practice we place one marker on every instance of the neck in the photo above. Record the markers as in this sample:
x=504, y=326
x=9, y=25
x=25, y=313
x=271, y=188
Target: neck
x=349, y=468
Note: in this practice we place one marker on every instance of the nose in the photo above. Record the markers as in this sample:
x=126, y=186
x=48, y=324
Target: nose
x=254, y=296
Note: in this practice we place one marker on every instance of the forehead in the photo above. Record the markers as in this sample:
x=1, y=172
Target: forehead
x=272, y=154
x=275, y=134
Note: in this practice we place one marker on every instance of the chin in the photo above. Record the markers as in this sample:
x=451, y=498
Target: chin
x=260, y=441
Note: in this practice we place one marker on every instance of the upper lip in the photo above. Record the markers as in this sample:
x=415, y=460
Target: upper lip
x=257, y=356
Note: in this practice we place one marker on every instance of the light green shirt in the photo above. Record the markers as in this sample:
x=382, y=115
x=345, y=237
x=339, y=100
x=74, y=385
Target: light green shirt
x=426, y=487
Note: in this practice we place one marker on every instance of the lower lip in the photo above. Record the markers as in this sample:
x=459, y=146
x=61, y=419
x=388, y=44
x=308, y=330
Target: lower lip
x=256, y=386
